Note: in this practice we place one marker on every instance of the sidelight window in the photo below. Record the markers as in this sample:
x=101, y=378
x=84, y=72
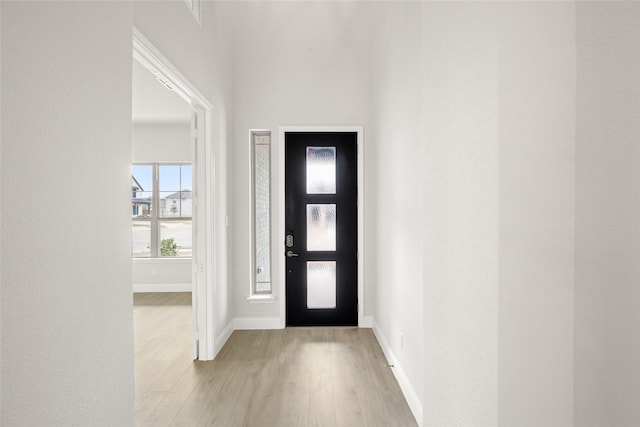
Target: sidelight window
x=260, y=212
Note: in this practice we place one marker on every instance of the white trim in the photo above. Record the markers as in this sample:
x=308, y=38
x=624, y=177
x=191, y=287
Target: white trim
x=407, y=389
x=256, y=323
x=204, y=257
x=195, y=7
x=162, y=287
x=261, y=299
x=280, y=212
x=221, y=339
x=148, y=55
x=162, y=260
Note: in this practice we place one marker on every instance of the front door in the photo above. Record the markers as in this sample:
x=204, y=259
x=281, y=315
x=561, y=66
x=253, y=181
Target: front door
x=321, y=223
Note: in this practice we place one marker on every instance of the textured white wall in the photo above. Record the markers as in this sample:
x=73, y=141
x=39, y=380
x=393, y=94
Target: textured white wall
x=202, y=53
x=460, y=164
x=536, y=213
x=67, y=333
x=160, y=275
x=1, y=150
x=396, y=219
x=295, y=63
x=607, y=270
x=499, y=109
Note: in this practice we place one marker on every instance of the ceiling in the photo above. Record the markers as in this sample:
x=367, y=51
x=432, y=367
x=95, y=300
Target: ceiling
x=153, y=103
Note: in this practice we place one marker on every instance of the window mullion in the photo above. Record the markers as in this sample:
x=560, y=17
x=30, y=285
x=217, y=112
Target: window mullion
x=155, y=231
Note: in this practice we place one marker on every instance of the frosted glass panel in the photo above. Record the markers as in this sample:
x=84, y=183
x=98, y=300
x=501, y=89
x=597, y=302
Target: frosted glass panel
x=263, y=258
x=321, y=227
x=321, y=170
x=321, y=284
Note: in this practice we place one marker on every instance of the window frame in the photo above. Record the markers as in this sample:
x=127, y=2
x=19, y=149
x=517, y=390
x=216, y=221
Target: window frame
x=254, y=294
x=155, y=220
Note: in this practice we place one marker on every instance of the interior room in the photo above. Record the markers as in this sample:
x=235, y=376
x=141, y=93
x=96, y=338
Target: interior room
x=498, y=198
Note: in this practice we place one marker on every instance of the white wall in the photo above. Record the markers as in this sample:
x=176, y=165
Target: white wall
x=162, y=142
x=202, y=53
x=536, y=213
x=67, y=333
x=607, y=270
x=460, y=237
x=162, y=275
x=1, y=269
x=499, y=90
x=295, y=63
x=395, y=221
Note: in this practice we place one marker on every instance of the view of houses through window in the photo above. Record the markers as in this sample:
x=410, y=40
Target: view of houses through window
x=161, y=209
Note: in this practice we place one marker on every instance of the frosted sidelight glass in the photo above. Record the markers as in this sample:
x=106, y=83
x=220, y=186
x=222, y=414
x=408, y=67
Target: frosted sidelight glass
x=262, y=217
x=321, y=284
x=321, y=227
x=321, y=170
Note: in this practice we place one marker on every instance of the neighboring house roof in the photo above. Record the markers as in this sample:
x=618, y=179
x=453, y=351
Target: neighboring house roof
x=135, y=184
x=184, y=194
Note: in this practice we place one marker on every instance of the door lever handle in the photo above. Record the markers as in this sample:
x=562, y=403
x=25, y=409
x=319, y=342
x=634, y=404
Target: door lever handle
x=290, y=254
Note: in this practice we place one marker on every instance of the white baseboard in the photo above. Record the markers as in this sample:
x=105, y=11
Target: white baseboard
x=222, y=338
x=162, y=287
x=407, y=389
x=251, y=323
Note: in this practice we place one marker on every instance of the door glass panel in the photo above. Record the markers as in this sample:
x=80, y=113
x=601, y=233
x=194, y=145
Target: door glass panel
x=321, y=170
x=321, y=284
x=321, y=227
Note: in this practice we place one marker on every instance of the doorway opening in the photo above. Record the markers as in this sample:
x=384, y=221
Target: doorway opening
x=172, y=197
x=162, y=222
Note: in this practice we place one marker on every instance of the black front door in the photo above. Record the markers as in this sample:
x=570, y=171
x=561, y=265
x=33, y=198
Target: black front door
x=321, y=223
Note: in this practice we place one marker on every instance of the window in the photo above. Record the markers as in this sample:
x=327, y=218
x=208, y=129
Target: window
x=260, y=212
x=161, y=209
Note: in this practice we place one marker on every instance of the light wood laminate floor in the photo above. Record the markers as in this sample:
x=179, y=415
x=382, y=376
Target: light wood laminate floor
x=289, y=377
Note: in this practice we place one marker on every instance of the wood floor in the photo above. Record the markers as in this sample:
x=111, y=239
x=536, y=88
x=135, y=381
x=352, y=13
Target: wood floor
x=289, y=377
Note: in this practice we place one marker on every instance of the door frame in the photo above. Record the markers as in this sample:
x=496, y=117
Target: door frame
x=203, y=264
x=280, y=199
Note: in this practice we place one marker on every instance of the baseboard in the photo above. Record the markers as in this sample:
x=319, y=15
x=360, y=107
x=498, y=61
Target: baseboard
x=252, y=323
x=162, y=287
x=407, y=389
x=222, y=338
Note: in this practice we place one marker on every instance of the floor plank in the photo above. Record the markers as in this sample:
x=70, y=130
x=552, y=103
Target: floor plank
x=290, y=377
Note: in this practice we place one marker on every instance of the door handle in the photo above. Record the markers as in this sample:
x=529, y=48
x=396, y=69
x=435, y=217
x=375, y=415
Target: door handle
x=290, y=254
